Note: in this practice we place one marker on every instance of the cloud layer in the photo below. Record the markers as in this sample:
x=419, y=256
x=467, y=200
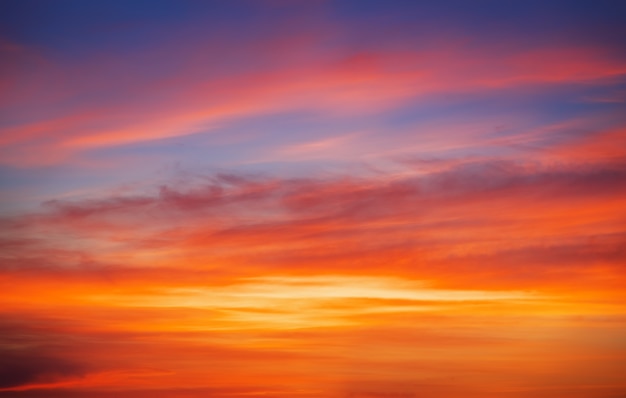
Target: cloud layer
x=323, y=199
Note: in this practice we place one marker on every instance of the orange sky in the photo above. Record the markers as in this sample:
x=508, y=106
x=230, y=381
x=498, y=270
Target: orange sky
x=324, y=199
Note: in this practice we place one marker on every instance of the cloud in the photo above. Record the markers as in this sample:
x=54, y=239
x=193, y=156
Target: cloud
x=603, y=146
x=36, y=353
x=24, y=369
x=256, y=274
x=197, y=97
x=472, y=255
x=491, y=223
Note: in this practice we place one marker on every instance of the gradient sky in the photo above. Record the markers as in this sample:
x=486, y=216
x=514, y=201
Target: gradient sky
x=312, y=199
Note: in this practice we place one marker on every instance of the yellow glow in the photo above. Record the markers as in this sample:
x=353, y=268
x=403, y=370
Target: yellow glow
x=311, y=301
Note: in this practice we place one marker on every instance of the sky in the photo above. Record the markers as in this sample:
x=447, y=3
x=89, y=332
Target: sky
x=312, y=199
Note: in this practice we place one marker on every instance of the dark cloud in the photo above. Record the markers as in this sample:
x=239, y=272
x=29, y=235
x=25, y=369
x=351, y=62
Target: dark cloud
x=142, y=393
x=36, y=351
x=20, y=367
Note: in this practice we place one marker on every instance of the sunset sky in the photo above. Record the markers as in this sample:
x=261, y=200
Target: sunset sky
x=312, y=199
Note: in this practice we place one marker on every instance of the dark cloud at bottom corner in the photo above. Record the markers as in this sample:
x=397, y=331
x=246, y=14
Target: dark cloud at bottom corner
x=19, y=367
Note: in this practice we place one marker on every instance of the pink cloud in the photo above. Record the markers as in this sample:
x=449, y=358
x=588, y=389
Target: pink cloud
x=340, y=83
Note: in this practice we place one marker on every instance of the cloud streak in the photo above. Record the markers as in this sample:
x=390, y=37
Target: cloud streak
x=338, y=82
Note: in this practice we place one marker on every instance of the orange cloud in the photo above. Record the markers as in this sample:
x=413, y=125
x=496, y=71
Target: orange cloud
x=457, y=213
